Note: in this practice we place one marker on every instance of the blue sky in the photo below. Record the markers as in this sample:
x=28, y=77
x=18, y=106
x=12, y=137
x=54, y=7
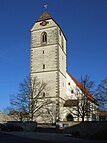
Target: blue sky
x=84, y=23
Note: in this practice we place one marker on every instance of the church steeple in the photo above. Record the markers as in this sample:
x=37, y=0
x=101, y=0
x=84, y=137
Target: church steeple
x=48, y=54
x=44, y=16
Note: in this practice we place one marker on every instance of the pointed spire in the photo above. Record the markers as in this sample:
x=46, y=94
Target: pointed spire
x=44, y=16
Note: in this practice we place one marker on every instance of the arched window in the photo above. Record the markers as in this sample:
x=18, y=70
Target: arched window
x=44, y=38
x=69, y=117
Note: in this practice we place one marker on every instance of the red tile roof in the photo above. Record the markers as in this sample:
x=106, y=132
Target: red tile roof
x=102, y=113
x=88, y=94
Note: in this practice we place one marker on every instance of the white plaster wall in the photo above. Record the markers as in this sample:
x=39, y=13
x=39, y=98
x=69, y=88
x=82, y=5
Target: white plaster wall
x=37, y=25
x=45, y=116
x=70, y=87
x=61, y=37
x=49, y=58
x=52, y=36
x=62, y=61
x=50, y=79
x=62, y=85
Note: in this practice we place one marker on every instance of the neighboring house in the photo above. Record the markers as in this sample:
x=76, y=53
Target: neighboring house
x=102, y=115
x=48, y=64
x=5, y=118
x=19, y=116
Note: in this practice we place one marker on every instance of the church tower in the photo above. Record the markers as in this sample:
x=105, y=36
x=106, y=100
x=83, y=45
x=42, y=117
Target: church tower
x=48, y=59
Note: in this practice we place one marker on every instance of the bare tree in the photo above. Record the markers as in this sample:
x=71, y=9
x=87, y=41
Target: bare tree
x=31, y=98
x=39, y=99
x=19, y=103
x=101, y=94
x=82, y=107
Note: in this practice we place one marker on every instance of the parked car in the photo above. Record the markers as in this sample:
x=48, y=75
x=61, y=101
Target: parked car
x=12, y=127
x=3, y=127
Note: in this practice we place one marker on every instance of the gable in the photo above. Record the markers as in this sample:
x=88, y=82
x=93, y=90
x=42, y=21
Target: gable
x=80, y=86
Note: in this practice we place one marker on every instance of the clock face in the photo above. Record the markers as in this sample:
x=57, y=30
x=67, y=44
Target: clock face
x=44, y=23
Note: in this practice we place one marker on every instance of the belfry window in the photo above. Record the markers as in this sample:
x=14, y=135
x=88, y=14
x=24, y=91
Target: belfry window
x=44, y=38
x=43, y=66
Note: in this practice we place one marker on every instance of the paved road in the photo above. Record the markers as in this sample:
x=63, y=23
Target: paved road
x=7, y=138
x=38, y=137
x=34, y=137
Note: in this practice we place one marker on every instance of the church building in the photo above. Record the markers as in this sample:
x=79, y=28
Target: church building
x=48, y=64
